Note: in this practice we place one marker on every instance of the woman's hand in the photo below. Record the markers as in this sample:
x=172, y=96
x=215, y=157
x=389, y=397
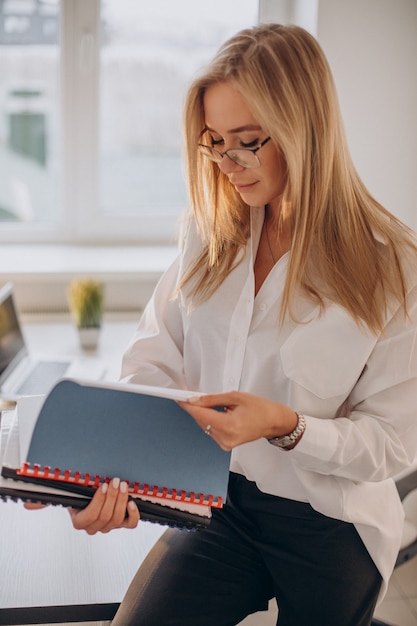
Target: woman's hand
x=109, y=508
x=245, y=417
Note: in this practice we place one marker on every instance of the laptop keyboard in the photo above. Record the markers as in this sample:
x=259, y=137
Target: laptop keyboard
x=42, y=376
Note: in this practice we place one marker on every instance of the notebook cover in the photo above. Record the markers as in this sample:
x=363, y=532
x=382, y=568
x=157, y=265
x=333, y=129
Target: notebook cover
x=110, y=432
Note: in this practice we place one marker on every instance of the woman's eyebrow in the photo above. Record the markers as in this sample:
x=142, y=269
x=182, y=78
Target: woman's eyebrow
x=239, y=129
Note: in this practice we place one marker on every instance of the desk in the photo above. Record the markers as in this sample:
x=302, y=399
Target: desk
x=51, y=573
x=62, y=338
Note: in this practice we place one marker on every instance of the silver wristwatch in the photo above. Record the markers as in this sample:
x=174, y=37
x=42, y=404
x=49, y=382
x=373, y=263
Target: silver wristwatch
x=288, y=440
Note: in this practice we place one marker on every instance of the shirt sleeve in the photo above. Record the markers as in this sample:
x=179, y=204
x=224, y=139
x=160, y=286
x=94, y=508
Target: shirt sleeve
x=376, y=438
x=155, y=353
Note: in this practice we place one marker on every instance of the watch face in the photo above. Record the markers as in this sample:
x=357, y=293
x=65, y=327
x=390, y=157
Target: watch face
x=280, y=442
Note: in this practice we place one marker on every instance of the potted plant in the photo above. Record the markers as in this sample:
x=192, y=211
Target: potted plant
x=86, y=298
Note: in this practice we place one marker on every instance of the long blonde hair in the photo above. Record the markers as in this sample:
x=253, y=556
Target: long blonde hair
x=345, y=245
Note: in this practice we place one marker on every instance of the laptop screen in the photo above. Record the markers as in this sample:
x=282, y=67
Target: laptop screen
x=12, y=344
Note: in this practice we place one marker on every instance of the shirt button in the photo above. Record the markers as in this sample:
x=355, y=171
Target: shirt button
x=263, y=306
x=231, y=381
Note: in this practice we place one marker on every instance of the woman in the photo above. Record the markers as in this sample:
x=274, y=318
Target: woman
x=296, y=288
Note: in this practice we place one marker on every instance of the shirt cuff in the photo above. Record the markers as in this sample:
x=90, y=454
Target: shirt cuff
x=319, y=441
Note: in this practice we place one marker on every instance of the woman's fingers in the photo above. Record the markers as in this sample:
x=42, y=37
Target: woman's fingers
x=215, y=415
x=108, y=509
x=235, y=417
x=203, y=415
x=227, y=399
x=34, y=506
x=113, y=510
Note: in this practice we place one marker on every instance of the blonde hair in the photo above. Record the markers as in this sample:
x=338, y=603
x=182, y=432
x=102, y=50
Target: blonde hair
x=345, y=245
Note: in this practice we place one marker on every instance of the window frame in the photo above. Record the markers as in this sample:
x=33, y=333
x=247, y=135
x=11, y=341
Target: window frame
x=80, y=63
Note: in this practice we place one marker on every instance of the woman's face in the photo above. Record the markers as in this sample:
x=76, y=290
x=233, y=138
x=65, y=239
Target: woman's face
x=231, y=125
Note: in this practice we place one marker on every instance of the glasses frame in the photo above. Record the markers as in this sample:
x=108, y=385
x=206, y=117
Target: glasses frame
x=231, y=153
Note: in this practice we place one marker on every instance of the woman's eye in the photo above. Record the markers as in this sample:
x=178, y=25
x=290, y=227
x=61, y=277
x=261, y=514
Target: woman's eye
x=216, y=142
x=250, y=144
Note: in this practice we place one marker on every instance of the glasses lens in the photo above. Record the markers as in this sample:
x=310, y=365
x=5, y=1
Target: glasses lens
x=210, y=153
x=245, y=158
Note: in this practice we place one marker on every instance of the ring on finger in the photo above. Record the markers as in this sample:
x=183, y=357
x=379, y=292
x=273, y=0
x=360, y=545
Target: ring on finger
x=208, y=429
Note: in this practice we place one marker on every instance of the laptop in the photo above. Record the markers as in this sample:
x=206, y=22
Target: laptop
x=23, y=374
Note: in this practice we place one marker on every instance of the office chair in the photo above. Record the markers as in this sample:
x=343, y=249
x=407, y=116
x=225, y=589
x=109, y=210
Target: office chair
x=407, y=489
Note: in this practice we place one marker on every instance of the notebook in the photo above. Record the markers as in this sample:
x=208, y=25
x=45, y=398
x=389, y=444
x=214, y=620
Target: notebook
x=22, y=373
x=60, y=449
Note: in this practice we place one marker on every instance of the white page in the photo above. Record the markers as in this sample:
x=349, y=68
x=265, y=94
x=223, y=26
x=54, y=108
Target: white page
x=27, y=410
x=7, y=418
x=162, y=392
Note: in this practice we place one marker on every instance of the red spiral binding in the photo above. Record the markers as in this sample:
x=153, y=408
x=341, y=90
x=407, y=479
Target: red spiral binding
x=135, y=488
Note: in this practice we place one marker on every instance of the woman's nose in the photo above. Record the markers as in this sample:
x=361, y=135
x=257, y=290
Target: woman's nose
x=227, y=166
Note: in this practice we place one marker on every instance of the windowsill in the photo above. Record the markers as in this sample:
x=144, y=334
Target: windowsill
x=41, y=273
x=42, y=260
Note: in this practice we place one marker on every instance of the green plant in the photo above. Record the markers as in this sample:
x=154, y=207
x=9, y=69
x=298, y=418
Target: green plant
x=86, y=302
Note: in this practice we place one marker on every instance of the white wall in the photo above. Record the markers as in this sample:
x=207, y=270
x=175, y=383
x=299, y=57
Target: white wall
x=371, y=46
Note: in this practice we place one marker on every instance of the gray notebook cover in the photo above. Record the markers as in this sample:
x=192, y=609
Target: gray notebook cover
x=136, y=437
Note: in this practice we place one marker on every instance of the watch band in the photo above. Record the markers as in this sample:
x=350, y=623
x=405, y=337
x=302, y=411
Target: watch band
x=289, y=440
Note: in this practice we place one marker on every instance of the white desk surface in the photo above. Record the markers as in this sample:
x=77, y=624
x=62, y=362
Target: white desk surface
x=44, y=561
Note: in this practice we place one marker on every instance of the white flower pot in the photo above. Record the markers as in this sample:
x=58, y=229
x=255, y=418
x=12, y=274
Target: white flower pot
x=89, y=337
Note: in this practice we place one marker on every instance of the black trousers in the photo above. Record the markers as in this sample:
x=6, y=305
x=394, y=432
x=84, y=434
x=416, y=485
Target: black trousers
x=257, y=547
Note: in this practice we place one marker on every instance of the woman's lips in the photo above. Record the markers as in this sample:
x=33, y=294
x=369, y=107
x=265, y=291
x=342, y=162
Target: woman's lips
x=243, y=187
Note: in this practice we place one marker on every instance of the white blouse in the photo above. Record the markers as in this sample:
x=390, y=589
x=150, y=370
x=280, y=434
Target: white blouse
x=325, y=369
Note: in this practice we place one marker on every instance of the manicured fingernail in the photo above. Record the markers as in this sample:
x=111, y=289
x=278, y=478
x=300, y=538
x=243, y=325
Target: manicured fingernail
x=115, y=482
x=194, y=399
x=123, y=487
x=104, y=487
x=131, y=505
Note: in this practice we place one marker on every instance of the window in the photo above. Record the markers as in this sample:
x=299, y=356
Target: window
x=90, y=113
x=29, y=111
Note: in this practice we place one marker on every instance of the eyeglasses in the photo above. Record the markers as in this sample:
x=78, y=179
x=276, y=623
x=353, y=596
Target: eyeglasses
x=245, y=157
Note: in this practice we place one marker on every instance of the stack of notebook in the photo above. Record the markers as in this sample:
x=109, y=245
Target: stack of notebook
x=59, y=449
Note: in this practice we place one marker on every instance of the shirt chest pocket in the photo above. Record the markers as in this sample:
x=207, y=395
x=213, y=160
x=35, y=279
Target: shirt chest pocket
x=327, y=355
